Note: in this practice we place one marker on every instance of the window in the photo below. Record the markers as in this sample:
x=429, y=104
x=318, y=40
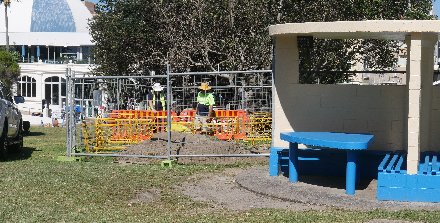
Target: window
x=27, y=87
x=52, y=89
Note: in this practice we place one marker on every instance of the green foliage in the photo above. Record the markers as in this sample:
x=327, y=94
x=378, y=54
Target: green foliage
x=338, y=55
x=9, y=68
x=206, y=35
x=126, y=37
x=190, y=35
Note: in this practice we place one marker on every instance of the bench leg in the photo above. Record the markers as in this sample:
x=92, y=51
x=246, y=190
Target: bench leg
x=274, y=163
x=350, y=177
x=293, y=162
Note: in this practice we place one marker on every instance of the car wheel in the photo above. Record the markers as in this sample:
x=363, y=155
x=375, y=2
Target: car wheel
x=18, y=140
x=3, y=142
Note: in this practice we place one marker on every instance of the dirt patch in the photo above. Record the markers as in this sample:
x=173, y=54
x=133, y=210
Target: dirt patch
x=244, y=189
x=222, y=191
x=390, y=221
x=145, y=197
x=193, y=144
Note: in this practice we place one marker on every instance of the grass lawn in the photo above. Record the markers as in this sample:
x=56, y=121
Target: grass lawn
x=34, y=187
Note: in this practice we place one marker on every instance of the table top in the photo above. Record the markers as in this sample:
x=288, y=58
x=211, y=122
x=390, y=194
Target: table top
x=335, y=140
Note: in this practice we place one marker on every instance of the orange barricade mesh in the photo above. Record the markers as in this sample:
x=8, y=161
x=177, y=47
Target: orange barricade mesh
x=132, y=126
x=187, y=115
x=259, y=128
x=230, y=124
x=111, y=132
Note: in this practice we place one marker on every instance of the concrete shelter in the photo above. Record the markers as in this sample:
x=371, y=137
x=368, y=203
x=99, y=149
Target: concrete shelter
x=403, y=117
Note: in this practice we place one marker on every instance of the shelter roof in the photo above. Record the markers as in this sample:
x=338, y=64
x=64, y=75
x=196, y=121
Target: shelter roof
x=369, y=29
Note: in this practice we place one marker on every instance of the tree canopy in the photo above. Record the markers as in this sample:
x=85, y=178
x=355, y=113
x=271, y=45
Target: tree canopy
x=9, y=68
x=137, y=36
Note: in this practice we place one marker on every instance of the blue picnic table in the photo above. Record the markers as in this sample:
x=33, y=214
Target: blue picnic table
x=352, y=143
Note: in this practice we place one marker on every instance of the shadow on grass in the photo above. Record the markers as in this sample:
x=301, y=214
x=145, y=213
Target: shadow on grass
x=22, y=154
x=33, y=134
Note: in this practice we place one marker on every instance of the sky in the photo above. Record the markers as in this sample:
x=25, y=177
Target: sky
x=437, y=7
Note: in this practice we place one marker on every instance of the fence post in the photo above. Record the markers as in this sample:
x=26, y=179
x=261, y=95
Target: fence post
x=67, y=115
x=70, y=124
x=69, y=118
x=168, y=112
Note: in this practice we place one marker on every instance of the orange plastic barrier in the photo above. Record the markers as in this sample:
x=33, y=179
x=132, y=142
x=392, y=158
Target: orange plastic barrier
x=158, y=119
x=187, y=115
x=233, y=124
x=228, y=124
x=127, y=114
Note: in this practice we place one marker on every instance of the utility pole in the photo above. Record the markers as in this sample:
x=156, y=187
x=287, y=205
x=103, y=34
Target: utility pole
x=6, y=3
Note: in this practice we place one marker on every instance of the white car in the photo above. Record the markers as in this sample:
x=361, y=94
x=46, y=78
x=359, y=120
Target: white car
x=11, y=124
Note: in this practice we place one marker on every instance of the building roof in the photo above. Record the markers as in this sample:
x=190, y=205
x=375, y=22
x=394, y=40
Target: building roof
x=91, y=7
x=47, y=22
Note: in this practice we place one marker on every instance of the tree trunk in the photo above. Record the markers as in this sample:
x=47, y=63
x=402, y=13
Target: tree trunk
x=7, y=27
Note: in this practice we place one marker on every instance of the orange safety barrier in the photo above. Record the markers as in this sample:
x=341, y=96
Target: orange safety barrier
x=129, y=130
x=187, y=115
x=224, y=128
x=233, y=124
x=114, y=132
x=138, y=114
x=161, y=120
x=227, y=125
x=226, y=113
x=242, y=123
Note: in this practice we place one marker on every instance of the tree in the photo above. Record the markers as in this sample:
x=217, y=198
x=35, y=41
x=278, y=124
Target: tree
x=6, y=3
x=136, y=36
x=125, y=37
x=319, y=55
x=9, y=68
x=190, y=35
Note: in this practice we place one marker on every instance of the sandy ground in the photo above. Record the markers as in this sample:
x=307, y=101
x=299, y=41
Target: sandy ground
x=322, y=191
x=238, y=189
x=192, y=144
x=222, y=191
x=245, y=189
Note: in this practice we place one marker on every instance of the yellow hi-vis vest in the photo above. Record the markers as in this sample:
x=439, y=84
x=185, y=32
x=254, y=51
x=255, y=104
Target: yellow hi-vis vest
x=205, y=98
x=162, y=101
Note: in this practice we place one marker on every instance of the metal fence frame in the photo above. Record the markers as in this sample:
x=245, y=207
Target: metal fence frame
x=71, y=137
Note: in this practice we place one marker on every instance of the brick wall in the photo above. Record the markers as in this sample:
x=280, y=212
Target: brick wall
x=435, y=120
x=379, y=110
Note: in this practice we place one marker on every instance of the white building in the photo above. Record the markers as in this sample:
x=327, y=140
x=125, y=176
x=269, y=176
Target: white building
x=49, y=35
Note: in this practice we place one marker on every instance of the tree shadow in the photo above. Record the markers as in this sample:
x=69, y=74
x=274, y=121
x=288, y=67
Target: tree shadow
x=33, y=134
x=22, y=154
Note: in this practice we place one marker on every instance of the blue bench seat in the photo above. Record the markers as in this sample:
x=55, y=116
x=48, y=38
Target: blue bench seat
x=394, y=183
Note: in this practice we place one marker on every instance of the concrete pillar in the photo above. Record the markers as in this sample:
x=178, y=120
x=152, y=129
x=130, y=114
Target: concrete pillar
x=79, y=55
x=286, y=73
x=419, y=81
x=59, y=91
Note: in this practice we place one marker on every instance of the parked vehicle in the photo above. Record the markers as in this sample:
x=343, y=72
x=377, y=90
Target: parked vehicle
x=11, y=123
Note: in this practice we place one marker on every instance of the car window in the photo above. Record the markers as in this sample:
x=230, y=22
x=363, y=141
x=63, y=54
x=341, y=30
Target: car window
x=18, y=99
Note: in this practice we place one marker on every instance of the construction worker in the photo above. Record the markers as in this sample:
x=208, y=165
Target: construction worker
x=156, y=98
x=204, y=109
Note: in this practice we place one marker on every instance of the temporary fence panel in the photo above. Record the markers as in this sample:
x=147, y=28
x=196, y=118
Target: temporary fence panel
x=124, y=128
